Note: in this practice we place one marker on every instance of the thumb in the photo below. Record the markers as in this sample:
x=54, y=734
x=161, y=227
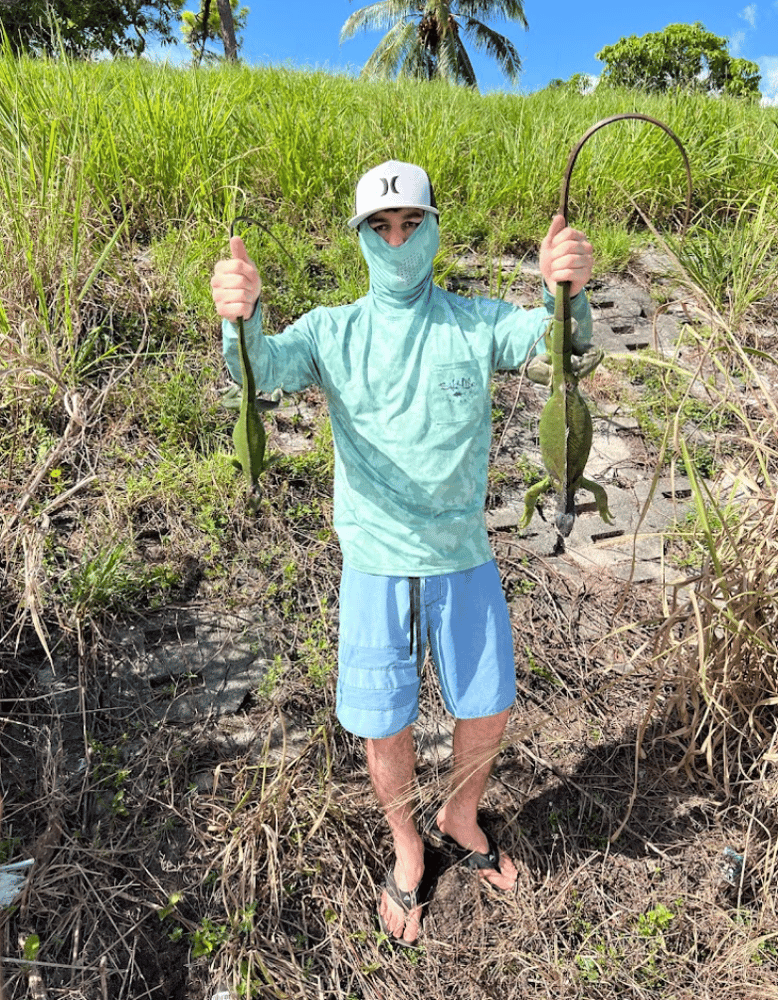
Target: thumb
x=238, y=249
x=557, y=225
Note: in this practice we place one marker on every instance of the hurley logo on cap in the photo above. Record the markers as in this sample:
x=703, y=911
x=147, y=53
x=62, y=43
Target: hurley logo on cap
x=392, y=184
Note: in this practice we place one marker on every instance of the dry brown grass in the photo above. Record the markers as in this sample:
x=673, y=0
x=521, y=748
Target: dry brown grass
x=170, y=860
x=271, y=854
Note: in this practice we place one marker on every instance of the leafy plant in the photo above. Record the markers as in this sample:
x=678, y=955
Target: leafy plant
x=197, y=33
x=655, y=921
x=681, y=55
x=110, y=580
x=208, y=937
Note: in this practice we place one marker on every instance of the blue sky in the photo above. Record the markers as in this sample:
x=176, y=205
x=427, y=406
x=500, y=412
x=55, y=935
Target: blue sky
x=562, y=39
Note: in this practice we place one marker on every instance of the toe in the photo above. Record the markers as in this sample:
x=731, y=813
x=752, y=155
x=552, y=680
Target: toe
x=392, y=916
x=397, y=922
x=503, y=877
x=412, y=925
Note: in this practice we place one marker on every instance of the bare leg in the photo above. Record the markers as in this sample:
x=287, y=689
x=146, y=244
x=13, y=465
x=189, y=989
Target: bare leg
x=391, y=762
x=476, y=744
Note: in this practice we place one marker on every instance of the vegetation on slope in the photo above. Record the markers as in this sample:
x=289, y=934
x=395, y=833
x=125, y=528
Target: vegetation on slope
x=118, y=184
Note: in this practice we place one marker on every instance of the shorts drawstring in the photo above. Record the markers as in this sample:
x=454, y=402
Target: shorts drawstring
x=414, y=593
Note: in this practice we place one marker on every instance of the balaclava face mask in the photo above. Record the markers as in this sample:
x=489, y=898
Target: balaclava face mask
x=401, y=275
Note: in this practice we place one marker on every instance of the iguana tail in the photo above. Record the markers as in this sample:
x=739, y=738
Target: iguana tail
x=565, y=513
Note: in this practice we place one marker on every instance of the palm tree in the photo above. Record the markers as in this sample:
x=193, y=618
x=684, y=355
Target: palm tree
x=227, y=30
x=424, y=39
x=222, y=18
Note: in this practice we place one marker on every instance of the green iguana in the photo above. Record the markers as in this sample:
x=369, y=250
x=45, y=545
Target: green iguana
x=248, y=435
x=565, y=423
x=565, y=427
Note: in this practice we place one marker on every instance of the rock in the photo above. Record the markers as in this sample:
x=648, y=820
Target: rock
x=191, y=664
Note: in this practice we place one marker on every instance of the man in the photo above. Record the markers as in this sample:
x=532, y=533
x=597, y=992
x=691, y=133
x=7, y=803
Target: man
x=406, y=372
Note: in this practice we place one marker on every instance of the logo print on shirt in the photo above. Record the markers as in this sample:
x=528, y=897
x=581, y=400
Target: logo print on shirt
x=458, y=386
x=389, y=185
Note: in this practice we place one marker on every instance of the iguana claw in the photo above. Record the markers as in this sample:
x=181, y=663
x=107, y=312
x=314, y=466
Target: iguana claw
x=531, y=500
x=600, y=499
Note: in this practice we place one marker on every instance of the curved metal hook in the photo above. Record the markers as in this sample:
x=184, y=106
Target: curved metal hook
x=565, y=191
x=255, y=222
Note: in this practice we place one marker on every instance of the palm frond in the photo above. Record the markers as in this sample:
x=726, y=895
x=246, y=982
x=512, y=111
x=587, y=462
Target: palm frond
x=465, y=71
x=380, y=15
x=449, y=44
x=393, y=51
x=419, y=64
x=496, y=46
x=508, y=10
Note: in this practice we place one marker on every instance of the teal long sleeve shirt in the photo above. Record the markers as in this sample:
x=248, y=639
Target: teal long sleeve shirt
x=409, y=401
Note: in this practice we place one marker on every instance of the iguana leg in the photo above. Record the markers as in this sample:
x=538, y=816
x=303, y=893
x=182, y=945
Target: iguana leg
x=531, y=499
x=538, y=368
x=584, y=364
x=600, y=498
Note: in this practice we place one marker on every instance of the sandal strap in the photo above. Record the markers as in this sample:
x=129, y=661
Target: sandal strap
x=475, y=860
x=486, y=860
x=407, y=900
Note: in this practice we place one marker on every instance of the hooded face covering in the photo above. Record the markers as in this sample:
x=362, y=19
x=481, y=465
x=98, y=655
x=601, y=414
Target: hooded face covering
x=400, y=275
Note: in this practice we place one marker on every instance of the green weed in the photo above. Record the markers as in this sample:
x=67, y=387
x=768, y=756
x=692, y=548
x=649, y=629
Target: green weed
x=110, y=579
x=272, y=676
x=208, y=937
x=669, y=399
x=655, y=922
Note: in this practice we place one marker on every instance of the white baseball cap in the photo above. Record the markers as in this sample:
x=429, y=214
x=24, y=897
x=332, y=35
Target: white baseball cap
x=392, y=185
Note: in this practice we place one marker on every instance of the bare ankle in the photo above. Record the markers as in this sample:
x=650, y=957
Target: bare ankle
x=409, y=862
x=462, y=825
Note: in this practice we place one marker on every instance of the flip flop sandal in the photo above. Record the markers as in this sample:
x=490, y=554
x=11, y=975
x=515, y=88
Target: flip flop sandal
x=407, y=901
x=489, y=859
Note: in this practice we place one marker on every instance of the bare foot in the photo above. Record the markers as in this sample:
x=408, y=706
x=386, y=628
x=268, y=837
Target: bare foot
x=472, y=838
x=400, y=922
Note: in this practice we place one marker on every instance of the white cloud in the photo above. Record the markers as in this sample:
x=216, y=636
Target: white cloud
x=749, y=14
x=736, y=43
x=768, y=67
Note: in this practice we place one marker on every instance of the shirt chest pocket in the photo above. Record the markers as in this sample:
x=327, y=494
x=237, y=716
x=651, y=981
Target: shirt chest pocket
x=457, y=393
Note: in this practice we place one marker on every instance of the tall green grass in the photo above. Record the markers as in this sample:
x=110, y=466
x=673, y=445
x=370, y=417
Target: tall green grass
x=158, y=146
x=97, y=161
x=118, y=181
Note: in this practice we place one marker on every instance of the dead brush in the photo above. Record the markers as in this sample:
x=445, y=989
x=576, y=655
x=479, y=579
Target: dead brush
x=718, y=643
x=719, y=646
x=716, y=651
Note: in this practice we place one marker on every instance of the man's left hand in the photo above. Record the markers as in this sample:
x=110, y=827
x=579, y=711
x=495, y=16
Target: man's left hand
x=565, y=255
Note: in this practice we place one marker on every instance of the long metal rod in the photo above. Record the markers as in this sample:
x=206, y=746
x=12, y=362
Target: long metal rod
x=565, y=191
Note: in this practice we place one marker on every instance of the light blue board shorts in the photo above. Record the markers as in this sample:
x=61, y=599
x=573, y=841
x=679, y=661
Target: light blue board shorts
x=386, y=623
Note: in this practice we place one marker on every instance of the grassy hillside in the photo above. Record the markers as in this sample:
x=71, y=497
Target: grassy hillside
x=119, y=181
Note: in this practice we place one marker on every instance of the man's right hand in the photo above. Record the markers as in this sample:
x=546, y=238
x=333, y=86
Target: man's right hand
x=236, y=284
